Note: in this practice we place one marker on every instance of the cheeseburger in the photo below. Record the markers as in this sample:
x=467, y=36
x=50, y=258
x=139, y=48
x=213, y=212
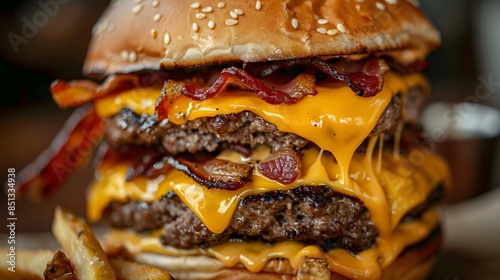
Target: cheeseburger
x=261, y=139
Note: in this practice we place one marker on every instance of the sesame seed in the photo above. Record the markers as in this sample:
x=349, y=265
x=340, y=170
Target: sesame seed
x=322, y=30
x=322, y=21
x=195, y=27
x=380, y=6
x=137, y=9
x=231, y=22
x=221, y=5
x=155, y=4
x=200, y=16
x=111, y=27
x=258, y=5
x=132, y=57
x=360, y=1
x=332, y=32
x=239, y=11
x=233, y=14
x=195, y=5
x=341, y=27
x=137, y=1
x=154, y=33
x=211, y=24
x=391, y=2
x=124, y=54
x=157, y=17
x=295, y=23
x=358, y=7
x=207, y=9
x=166, y=39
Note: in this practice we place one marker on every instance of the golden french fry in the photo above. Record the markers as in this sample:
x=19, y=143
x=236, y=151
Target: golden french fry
x=134, y=271
x=29, y=265
x=59, y=268
x=81, y=246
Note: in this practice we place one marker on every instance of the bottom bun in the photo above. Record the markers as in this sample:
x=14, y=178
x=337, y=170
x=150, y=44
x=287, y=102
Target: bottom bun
x=414, y=263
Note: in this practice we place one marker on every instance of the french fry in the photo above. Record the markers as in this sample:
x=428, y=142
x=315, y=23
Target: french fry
x=59, y=268
x=29, y=265
x=81, y=246
x=128, y=270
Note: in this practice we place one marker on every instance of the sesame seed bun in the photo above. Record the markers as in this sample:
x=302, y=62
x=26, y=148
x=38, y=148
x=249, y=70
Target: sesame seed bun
x=135, y=36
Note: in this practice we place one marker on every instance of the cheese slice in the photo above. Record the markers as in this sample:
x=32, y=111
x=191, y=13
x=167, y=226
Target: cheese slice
x=254, y=255
x=337, y=121
x=395, y=188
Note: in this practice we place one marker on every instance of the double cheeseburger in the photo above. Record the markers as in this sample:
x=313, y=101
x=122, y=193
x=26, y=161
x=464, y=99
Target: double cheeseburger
x=261, y=139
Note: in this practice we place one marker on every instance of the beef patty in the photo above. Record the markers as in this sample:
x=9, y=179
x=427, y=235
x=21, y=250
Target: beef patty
x=308, y=214
x=209, y=133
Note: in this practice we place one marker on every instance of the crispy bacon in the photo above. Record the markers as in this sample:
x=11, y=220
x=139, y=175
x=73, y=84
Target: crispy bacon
x=371, y=76
x=69, y=151
x=289, y=93
x=76, y=93
x=214, y=173
x=366, y=82
x=365, y=78
x=282, y=166
x=142, y=165
x=414, y=67
x=157, y=169
x=240, y=148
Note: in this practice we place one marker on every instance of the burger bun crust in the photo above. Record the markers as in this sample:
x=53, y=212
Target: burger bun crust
x=134, y=36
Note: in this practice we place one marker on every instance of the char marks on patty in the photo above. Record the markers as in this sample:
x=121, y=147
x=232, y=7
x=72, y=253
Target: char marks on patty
x=314, y=215
x=209, y=133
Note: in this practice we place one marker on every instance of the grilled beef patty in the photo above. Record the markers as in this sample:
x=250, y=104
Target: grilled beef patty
x=309, y=214
x=209, y=133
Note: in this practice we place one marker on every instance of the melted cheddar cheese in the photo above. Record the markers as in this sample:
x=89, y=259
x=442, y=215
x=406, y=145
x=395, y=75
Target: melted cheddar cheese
x=337, y=121
x=254, y=255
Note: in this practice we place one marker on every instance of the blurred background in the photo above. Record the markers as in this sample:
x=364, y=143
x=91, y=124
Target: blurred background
x=42, y=42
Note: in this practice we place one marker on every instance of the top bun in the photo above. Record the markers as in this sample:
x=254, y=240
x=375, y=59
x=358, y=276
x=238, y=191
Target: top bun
x=134, y=35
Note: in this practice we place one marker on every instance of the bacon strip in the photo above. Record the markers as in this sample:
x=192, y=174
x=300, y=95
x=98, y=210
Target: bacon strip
x=69, y=151
x=214, y=173
x=76, y=93
x=365, y=78
x=282, y=166
x=415, y=67
x=289, y=93
x=144, y=164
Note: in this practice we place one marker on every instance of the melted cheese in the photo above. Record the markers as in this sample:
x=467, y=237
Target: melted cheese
x=337, y=121
x=254, y=255
x=388, y=196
